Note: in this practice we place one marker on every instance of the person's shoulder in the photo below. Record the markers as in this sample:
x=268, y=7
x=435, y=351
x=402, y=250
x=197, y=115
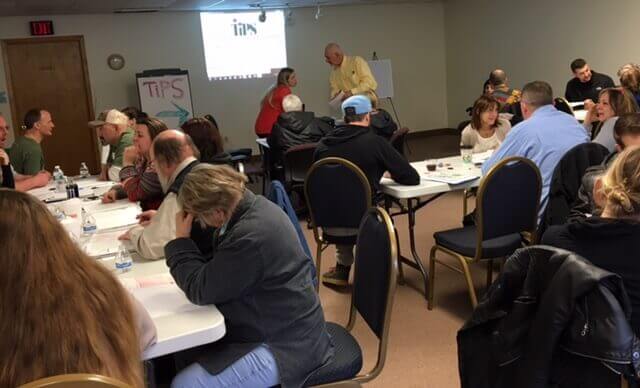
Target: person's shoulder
x=556, y=236
x=601, y=76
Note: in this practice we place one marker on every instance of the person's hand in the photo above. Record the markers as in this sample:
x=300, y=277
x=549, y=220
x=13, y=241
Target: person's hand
x=4, y=158
x=346, y=94
x=183, y=224
x=109, y=196
x=386, y=174
x=104, y=174
x=126, y=236
x=592, y=114
x=588, y=104
x=130, y=156
x=145, y=218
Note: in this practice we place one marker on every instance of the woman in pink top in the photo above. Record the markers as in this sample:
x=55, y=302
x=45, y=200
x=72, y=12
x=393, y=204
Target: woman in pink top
x=271, y=105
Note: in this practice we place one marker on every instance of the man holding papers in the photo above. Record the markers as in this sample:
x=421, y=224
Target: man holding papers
x=349, y=76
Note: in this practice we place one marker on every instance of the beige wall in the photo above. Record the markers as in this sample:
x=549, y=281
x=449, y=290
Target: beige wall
x=533, y=40
x=411, y=35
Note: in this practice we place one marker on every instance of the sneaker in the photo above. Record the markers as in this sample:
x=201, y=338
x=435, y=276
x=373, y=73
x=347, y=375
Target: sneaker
x=338, y=275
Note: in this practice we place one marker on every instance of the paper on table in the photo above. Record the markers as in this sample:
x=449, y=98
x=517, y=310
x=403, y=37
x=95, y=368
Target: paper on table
x=481, y=157
x=163, y=300
x=116, y=218
x=336, y=102
x=131, y=284
x=451, y=177
x=103, y=244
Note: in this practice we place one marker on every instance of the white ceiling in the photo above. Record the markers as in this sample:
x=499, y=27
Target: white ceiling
x=61, y=7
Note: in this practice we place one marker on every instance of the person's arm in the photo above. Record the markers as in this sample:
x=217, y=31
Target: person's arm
x=138, y=187
x=468, y=138
x=147, y=333
x=7, y=177
x=234, y=269
x=25, y=183
x=401, y=171
x=149, y=241
x=570, y=94
x=367, y=82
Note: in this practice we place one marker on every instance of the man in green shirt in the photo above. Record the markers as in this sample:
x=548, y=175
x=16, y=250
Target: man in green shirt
x=113, y=132
x=26, y=152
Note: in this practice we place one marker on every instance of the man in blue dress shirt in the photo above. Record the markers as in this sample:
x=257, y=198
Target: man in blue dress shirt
x=544, y=136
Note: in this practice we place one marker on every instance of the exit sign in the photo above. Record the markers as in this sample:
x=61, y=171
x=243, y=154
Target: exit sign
x=41, y=27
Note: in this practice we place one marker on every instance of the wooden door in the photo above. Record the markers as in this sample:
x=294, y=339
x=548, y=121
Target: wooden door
x=51, y=74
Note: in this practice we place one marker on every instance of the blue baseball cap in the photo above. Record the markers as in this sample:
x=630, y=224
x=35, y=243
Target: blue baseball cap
x=356, y=105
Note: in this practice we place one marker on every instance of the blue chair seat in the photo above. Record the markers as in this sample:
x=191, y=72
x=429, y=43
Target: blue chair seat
x=463, y=241
x=346, y=362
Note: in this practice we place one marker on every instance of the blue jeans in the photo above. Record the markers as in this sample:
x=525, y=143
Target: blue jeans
x=256, y=369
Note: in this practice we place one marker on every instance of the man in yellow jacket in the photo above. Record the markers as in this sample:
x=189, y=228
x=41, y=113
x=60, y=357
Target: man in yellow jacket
x=350, y=74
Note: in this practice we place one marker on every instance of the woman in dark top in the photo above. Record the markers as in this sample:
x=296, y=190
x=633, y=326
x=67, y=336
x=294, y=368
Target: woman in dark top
x=612, y=240
x=259, y=278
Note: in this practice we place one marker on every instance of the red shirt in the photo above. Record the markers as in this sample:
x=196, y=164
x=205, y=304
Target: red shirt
x=270, y=111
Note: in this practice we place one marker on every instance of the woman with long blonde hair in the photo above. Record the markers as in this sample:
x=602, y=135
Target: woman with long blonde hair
x=271, y=104
x=61, y=311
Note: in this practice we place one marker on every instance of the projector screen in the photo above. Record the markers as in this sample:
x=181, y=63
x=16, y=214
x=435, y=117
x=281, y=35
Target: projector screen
x=239, y=46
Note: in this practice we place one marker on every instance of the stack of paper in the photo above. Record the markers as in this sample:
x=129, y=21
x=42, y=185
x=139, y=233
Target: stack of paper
x=103, y=244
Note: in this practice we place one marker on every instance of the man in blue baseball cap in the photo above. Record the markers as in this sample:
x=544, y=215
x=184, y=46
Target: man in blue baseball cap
x=357, y=143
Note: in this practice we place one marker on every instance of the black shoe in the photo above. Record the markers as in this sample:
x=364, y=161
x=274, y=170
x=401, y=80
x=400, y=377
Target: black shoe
x=337, y=276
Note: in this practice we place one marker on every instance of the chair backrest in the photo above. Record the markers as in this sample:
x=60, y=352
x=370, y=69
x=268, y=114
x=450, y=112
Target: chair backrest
x=508, y=199
x=76, y=380
x=563, y=105
x=567, y=179
x=398, y=139
x=338, y=194
x=297, y=161
x=376, y=271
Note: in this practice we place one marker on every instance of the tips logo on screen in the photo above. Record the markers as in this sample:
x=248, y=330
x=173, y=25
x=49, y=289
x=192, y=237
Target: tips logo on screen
x=243, y=29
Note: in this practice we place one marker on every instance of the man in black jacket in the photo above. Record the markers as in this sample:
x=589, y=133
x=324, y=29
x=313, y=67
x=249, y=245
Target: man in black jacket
x=374, y=155
x=586, y=84
x=295, y=127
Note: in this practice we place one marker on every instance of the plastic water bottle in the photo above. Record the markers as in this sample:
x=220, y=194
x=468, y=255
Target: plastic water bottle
x=59, y=179
x=88, y=223
x=84, y=170
x=123, y=261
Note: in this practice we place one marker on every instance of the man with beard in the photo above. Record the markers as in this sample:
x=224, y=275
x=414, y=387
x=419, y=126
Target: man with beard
x=8, y=177
x=173, y=155
x=112, y=127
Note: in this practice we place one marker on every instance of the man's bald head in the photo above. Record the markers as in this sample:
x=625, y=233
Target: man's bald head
x=333, y=54
x=498, y=77
x=172, y=147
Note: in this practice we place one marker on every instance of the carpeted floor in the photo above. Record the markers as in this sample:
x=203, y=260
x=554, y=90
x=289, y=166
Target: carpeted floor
x=422, y=348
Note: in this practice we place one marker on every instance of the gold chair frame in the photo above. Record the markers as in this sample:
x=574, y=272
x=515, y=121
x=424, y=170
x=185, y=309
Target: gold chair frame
x=384, y=340
x=321, y=244
x=465, y=260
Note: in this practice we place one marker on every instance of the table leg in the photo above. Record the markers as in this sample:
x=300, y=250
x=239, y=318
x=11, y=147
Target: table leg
x=411, y=213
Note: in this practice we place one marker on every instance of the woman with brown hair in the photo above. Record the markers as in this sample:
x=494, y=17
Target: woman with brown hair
x=487, y=130
x=271, y=104
x=139, y=179
x=610, y=240
x=612, y=102
x=61, y=311
x=206, y=137
x=630, y=79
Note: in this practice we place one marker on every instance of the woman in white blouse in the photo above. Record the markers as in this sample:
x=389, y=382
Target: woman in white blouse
x=487, y=130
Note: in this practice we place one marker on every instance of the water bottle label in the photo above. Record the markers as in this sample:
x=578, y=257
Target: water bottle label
x=123, y=264
x=87, y=229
